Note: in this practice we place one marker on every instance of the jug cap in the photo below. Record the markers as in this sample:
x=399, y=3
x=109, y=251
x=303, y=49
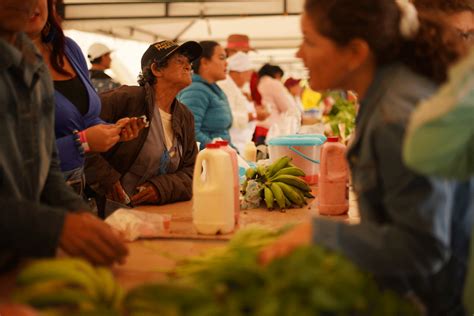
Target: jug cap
x=333, y=139
x=213, y=146
x=222, y=142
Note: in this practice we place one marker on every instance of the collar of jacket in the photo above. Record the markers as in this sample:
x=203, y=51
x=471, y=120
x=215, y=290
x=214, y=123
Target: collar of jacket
x=23, y=54
x=213, y=86
x=176, y=111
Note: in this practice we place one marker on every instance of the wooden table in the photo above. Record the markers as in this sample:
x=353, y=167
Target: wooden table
x=150, y=258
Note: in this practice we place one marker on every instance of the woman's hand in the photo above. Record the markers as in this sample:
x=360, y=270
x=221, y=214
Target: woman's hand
x=102, y=137
x=147, y=193
x=130, y=128
x=117, y=193
x=299, y=236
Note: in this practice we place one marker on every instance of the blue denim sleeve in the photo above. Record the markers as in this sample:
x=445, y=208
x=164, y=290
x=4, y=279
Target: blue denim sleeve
x=414, y=236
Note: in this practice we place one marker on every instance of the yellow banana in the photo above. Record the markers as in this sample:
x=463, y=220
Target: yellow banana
x=308, y=195
x=301, y=194
x=107, y=285
x=268, y=195
x=278, y=194
x=293, y=181
x=280, y=163
x=250, y=173
x=291, y=194
x=294, y=171
x=287, y=202
x=57, y=269
x=53, y=293
x=261, y=169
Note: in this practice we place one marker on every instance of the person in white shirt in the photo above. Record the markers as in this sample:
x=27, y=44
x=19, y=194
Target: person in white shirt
x=244, y=112
x=285, y=118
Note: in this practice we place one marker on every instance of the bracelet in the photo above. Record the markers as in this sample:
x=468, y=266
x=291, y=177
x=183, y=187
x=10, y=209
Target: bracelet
x=80, y=140
x=84, y=143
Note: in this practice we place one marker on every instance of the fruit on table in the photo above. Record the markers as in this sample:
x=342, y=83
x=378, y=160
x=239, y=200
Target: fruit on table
x=64, y=286
x=282, y=183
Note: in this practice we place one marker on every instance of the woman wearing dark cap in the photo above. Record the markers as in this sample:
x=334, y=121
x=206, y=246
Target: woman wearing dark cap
x=414, y=231
x=157, y=167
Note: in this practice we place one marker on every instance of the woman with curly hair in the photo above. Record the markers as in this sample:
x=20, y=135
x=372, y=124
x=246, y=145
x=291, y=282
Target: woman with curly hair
x=414, y=231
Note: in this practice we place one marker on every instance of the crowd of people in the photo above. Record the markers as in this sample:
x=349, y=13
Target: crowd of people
x=69, y=133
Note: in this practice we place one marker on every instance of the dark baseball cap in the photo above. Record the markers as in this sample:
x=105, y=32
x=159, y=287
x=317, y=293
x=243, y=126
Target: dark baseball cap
x=159, y=51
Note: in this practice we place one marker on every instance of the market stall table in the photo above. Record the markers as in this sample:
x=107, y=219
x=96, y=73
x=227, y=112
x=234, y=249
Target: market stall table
x=149, y=259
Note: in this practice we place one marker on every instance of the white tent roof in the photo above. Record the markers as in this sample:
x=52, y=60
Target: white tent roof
x=269, y=23
x=272, y=25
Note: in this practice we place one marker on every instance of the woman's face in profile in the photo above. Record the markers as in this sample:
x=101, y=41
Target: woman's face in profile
x=326, y=61
x=38, y=20
x=218, y=63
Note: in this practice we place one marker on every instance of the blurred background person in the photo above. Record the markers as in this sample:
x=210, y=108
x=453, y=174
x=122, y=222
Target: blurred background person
x=237, y=43
x=278, y=102
x=458, y=13
x=78, y=127
x=100, y=57
x=244, y=113
x=156, y=168
x=296, y=90
x=207, y=101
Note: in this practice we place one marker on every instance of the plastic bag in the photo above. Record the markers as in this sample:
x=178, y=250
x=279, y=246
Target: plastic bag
x=137, y=224
x=289, y=123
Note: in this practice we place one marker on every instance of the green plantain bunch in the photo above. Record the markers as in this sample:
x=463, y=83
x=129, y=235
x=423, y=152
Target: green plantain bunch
x=283, y=186
x=68, y=286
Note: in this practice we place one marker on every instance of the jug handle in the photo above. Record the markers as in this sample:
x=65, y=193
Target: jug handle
x=302, y=155
x=198, y=167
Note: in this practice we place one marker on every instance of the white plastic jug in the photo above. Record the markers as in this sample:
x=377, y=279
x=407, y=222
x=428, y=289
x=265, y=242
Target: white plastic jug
x=213, y=194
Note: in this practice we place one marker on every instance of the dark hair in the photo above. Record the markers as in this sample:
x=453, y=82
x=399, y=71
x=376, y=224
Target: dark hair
x=270, y=70
x=147, y=76
x=53, y=33
x=207, y=52
x=447, y=6
x=430, y=52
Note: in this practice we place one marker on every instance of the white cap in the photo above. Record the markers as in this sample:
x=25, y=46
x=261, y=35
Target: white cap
x=97, y=50
x=239, y=62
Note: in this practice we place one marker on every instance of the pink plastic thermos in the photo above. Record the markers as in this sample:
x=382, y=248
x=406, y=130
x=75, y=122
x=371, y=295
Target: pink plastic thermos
x=333, y=177
x=235, y=176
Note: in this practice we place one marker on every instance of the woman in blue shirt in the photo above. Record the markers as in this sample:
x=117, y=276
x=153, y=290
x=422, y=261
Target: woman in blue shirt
x=209, y=104
x=78, y=127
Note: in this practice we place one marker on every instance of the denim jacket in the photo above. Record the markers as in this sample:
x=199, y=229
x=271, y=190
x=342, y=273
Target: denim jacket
x=33, y=194
x=414, y=231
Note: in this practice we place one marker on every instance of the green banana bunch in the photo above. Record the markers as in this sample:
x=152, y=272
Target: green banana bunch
x=293, y=181
x=278, y=164
x=67, y=284
x=282, y=185
x=294, y=171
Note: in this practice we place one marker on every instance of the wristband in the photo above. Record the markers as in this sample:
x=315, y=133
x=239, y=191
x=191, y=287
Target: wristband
x=80, y=140
x=84, y=143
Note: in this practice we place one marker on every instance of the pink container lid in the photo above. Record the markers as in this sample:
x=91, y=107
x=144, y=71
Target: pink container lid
x=213, y=146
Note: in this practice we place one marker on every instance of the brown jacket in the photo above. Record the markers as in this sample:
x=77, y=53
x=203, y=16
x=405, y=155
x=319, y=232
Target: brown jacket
x=103, y=170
